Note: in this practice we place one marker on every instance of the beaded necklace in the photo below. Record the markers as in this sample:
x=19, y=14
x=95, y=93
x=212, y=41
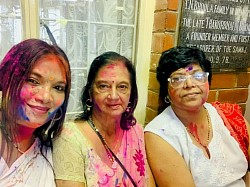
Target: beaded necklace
x=111, y=155
x=92, y=125
x=192, y=129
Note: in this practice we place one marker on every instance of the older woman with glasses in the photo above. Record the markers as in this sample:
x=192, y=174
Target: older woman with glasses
x=191, y=142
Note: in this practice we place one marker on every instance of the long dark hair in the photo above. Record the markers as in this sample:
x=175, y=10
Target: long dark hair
x=127, y=118
x=15, y=69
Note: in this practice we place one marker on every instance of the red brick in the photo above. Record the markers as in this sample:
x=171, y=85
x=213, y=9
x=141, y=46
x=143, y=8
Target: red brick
x=168, y=41
x=212, y=96
x=172, y=5
x=159, y=21
x=153, y=100
x=223, y=81
x=150, y=115
x=233, y=96
x=160, y=5
x=153, y=83
x=243, y=79
x=154, y=61
x=157, y=42
x=171, y=20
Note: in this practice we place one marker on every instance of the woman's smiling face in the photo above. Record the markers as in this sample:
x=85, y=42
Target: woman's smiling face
x=43, y=92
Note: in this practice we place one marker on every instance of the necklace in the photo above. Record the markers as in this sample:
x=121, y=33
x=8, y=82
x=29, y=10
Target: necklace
x=11, y=141
x=109, y=154
x=192, y=129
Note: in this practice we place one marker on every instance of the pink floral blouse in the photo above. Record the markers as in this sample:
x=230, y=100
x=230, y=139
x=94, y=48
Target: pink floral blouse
x=75, y=159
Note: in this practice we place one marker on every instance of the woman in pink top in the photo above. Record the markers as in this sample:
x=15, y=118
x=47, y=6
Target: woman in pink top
x=105, y=146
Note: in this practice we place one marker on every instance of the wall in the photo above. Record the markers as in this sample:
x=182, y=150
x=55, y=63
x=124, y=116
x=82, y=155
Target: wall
x=145, y=27
x=226, y=87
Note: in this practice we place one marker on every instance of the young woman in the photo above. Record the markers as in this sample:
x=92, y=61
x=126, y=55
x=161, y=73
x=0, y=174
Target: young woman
x=35, y=84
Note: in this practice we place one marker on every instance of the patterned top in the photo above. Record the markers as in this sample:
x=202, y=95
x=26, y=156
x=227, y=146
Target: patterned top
x=29, y=170
x=227, y=165
x=233, y=119
x=75, y=159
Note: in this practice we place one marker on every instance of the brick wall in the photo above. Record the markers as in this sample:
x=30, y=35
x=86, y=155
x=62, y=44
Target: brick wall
x=225, y=87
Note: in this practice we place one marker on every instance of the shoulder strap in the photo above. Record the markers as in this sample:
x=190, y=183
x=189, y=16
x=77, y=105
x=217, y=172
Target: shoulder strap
x=233, y=119
x=113, y=154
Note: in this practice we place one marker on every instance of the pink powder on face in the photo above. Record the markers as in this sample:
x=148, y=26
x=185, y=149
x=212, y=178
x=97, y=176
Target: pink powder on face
x=189, y=68
x=23, y=93
x=59, y=102
x=108, y=72
x=26, y=92
x=111, y=66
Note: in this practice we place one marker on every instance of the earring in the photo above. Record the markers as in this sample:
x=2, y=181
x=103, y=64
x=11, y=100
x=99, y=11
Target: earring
x=89, y=104
x=52, y=123
x=166, y=99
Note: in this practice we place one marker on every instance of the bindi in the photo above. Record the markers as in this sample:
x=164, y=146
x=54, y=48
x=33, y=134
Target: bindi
x=51, y=78
x=189, y=68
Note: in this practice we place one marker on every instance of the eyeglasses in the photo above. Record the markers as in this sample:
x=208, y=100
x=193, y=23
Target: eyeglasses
x=199, y=78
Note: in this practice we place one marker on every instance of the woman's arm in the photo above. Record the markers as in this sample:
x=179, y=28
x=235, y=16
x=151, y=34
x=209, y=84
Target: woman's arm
x=167, y=165
x=150, y=181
